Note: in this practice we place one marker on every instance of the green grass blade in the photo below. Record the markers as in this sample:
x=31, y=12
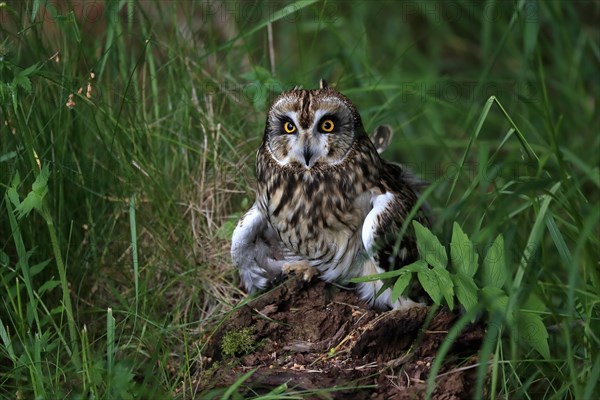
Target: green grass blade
x=592, y=381
x=134, y=251
x=7, y=342
x=110, y=345
x=237, y=384
x=559, y=241
x=482, y=117
x=23, y=260
x=534, y=236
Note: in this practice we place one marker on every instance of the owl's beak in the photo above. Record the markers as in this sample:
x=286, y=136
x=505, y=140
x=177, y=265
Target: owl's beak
x=308, y=155
x=305, y=151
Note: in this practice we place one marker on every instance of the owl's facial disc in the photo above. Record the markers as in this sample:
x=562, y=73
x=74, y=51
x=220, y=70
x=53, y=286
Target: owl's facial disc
x=309, y=129
x=305, y=146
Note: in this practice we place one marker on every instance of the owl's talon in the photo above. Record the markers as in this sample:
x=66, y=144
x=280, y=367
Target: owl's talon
x=300, y=267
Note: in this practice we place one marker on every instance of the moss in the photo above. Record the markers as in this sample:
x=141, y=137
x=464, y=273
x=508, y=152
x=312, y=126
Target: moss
x=238, y=342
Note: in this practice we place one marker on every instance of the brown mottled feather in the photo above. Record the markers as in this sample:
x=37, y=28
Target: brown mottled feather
x=315, y=191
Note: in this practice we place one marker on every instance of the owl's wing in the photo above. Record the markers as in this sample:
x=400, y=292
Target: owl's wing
x=380, y=229
x=257, y=251
x=388, y=213
x=389, y=210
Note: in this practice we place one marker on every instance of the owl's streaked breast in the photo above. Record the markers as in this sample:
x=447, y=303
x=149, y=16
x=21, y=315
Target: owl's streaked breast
x=318, y=212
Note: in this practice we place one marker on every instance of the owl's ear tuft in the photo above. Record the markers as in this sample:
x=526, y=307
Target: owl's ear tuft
x=323, y=84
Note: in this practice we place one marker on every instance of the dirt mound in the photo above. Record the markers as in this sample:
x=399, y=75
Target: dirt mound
x=314, y=336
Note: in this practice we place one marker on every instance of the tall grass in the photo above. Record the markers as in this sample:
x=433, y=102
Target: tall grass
x=112, y=277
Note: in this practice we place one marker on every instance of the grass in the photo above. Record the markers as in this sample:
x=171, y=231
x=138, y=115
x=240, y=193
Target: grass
x=119, y=268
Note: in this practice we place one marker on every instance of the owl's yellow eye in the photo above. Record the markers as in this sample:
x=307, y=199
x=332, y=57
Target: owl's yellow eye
x=288, y=127
x=327, y=126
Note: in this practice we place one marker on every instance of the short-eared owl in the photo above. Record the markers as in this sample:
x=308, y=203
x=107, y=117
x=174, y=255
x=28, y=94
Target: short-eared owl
x=326, y=201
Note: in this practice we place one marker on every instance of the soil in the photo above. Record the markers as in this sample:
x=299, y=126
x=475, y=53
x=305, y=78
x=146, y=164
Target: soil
x=313, y=336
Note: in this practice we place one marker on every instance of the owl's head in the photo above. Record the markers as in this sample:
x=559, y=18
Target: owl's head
x=312, y=127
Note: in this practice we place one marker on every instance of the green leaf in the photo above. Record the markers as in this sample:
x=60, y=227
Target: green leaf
x=466, y=290
x=34, y=198
x=494, y=267
x=37, y=268
x=401, y=284
x=534, y=303
x=29, y=70
x=496, y=299
x=57, y=310
x=40, y=186
x=48, y=285
x=31, y=311
x=11, y=192
x=8, y=156
x=446, y=285
x=7, y=342
x=430, y=247
x=462, y=253
x=22, y=81
x=417, y=266
x=430, y=284
x=13, y=196
x=122, y=382
x=531, y=329
x=29, y=203
x=16, y=180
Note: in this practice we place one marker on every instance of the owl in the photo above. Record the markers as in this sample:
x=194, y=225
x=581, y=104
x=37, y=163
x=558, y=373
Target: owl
x=326, y=202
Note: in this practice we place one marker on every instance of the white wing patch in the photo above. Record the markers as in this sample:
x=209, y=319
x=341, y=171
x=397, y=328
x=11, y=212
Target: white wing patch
x=368, y=290
x=380, y=204
x=245, y=233
x=257, y=251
